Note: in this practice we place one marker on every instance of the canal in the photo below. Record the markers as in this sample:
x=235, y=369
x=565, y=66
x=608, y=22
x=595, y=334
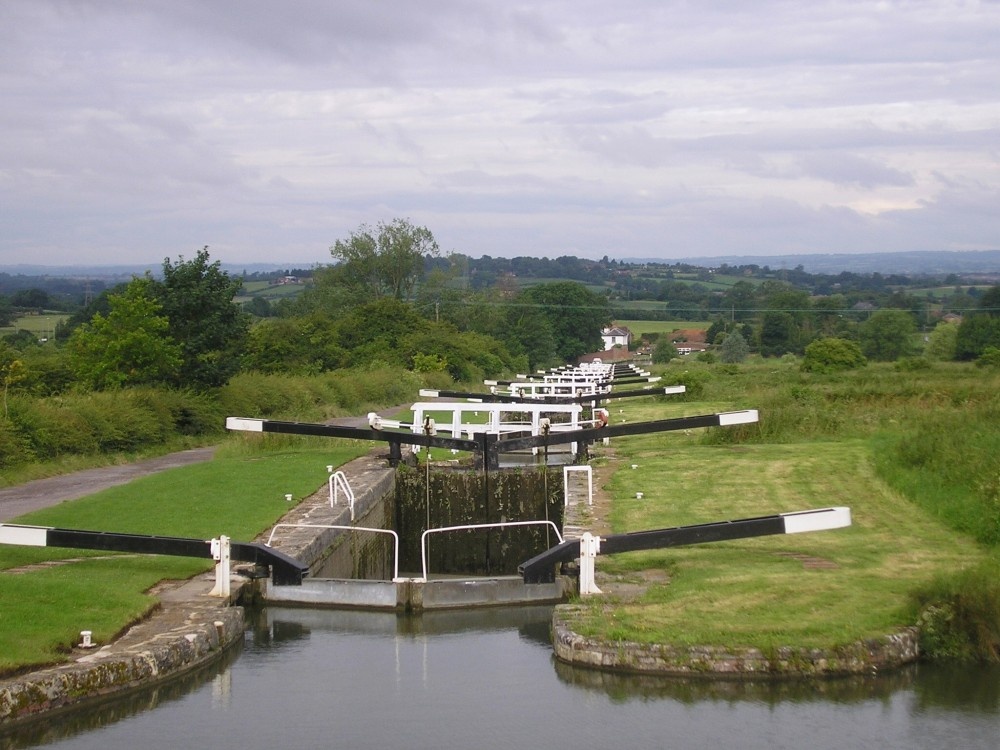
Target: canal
x=487, y=679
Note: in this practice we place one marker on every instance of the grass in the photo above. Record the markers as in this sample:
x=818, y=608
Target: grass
x=640, y=327
x=911, y=453
x=42, y=326
x=821, y=442
x=765, y=592
x=239, y=494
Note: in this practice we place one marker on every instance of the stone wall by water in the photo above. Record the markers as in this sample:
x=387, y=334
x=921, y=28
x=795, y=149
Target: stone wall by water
x=863, y=658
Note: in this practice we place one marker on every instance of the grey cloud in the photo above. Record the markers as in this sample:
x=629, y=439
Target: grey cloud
x=653, y=126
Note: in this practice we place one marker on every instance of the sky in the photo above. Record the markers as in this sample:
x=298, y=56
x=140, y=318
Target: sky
x=138, y=130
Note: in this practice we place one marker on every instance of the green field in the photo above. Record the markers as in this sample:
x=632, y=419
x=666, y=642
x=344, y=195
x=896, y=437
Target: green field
x=639, y=327
x=43, y=326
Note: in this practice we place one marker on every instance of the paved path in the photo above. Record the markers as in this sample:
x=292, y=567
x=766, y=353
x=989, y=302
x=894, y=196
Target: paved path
x=42, y=493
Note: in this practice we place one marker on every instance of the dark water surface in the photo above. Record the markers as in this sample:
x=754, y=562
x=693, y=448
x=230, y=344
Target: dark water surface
x=487, y=679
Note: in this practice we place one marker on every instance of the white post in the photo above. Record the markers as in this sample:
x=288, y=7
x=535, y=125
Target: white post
x=590, y=546
x=220, y=553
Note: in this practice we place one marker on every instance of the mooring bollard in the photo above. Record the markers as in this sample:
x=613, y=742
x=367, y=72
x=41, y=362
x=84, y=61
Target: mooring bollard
x=221, y=555
x=590, y=546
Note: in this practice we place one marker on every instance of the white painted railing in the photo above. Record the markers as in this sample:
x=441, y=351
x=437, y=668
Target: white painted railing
x=338, y=481
x=474, y=526
x=395, y=537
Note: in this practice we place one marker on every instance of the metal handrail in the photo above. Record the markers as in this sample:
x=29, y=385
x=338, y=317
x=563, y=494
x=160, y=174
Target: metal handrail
x=395, y=537
x=470, y=527
x=339, y=479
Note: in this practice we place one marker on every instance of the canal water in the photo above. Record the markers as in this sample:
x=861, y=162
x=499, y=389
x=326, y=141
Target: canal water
x=487, y=679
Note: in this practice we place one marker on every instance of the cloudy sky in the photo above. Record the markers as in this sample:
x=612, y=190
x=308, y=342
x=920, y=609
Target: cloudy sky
x=134, y=130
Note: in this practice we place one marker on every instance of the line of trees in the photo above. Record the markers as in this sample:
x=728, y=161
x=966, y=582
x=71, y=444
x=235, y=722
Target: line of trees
x=389, y=297
x=374, y=305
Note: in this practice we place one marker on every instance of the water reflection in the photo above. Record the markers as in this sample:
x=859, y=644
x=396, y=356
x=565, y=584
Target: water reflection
x=314, y=678
x=81, y=718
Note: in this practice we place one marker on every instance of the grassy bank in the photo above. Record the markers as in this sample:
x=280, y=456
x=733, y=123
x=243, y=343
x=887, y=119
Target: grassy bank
x=49, y=595
x=47, y=436
x=912, y=454
x=911, y=451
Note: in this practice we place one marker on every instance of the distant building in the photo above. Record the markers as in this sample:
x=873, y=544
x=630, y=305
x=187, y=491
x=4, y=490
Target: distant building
x=616, y=336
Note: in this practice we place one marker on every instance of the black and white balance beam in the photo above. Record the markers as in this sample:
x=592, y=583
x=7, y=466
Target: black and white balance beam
x=285, y=570
x=541, y=568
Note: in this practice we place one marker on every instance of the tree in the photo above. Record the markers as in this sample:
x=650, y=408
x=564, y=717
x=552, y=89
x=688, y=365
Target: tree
x=832, y=355
x=942, y=342
x=197, y=298
x=664, y=351
x=129, y=346
x=977, y=332
x=980, y=329
x=11, y=371
x=779, y=334
x=733, y=348
x=386, y=261
x=33, y=299
x=575, y=313
x=293, y=345
x=887, y=335
x=6, y=312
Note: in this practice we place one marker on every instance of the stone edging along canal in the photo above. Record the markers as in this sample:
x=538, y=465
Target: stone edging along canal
x=192, y=629
x=189, y=630
x=861, y=658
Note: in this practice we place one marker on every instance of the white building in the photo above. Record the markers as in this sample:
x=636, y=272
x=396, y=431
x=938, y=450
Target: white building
x=616, y=336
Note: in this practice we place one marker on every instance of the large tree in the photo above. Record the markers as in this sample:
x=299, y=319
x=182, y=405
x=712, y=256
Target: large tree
x=129, y=346
x=197, y=297
x=575, y=313
x=980, y=329
x=887, y=335
x=384, y=261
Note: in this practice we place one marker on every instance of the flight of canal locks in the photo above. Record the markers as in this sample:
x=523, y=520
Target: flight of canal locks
x=383, y=555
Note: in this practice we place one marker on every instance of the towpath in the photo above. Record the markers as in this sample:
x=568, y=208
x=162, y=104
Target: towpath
x=42, y=493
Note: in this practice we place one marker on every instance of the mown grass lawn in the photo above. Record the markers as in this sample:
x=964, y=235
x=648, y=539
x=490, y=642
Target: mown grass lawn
x=239, y=494
x=820, y=589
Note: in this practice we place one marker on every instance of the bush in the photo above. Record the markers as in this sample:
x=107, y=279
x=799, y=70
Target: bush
x=989, y=358
x=959, y=615
x=664, y=351
x=832, y=355
x=912, y=364
x=693, y=382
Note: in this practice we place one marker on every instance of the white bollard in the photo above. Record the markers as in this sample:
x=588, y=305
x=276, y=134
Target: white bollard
x=590, y=546
x=221, y=555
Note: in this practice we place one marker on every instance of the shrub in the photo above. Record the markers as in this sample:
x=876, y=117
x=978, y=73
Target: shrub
x=912, y=364
x=664, y=351
x=693, y=382
x=989, y=358
x=832, y=355
x=959, y=615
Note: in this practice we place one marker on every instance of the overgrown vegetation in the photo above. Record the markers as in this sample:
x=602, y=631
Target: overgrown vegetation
x=914, y=456
x=44, y=436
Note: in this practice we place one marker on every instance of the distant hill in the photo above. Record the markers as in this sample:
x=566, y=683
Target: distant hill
x=124, y=272
x=936, y=263
x=910, y=264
